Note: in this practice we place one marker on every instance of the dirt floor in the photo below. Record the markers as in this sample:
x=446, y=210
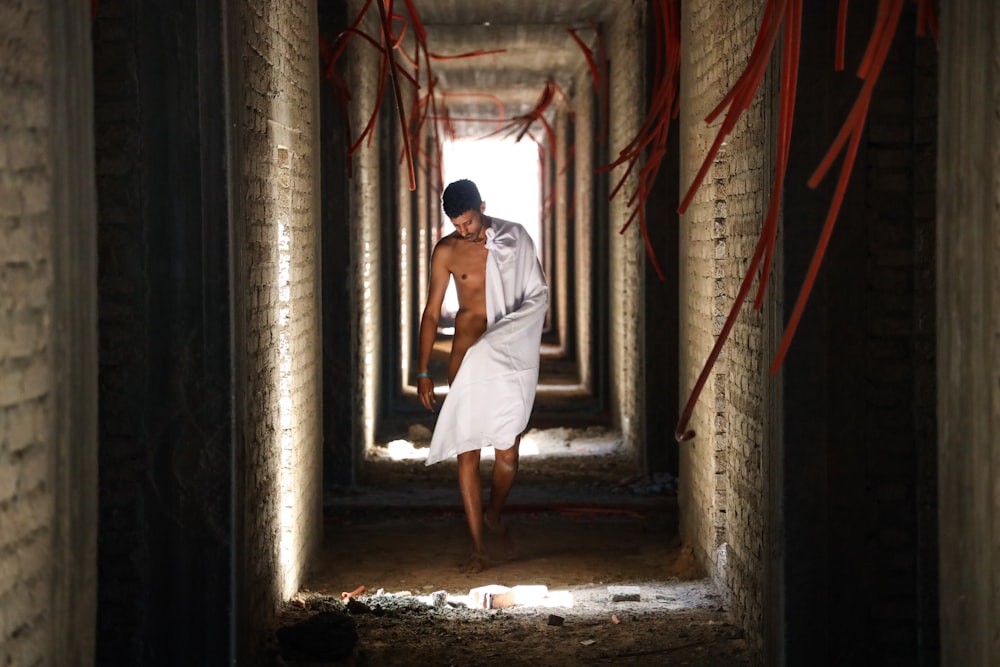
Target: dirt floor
x=587, y=537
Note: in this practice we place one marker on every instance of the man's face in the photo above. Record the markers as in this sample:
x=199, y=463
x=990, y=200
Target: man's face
x=471, y=225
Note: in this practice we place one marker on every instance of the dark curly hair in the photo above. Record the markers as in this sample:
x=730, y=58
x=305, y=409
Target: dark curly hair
x=459, y=197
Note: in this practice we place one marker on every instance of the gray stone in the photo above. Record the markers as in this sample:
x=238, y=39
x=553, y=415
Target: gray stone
x=624, y=593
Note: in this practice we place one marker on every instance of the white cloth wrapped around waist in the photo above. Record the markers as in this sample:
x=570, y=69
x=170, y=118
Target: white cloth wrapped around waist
x=491, y=398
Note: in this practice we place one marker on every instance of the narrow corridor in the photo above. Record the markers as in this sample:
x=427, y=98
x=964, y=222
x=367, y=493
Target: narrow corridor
x=769, y=230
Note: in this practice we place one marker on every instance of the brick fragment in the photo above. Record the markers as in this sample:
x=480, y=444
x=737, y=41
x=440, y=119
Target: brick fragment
x=493, y=596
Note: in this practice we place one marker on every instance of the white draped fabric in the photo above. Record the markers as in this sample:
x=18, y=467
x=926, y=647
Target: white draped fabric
x=494, y=390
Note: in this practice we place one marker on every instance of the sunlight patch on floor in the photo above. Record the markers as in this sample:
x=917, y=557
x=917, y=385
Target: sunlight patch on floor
x=551, y=442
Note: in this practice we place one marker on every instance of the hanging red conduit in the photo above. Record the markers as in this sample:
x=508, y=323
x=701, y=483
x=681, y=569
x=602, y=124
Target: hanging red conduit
x=424, y=106
x=789, y=13
x=648, y=147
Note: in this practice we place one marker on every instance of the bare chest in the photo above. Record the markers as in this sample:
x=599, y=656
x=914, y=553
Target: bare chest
x=468, y=266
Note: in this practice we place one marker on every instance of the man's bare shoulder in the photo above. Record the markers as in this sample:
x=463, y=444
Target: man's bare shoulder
x=446, y=245
x=448, y=241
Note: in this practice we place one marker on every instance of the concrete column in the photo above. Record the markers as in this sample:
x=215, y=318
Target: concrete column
x=583, y=230
x=339, y=429
x=968, y=319
x=407, y=321
x=560, y=240
x=366, y=241
x=74, y=340
x=661, y=300
x=627, y=104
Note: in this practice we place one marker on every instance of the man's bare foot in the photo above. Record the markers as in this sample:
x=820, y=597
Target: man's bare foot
x=477, y=563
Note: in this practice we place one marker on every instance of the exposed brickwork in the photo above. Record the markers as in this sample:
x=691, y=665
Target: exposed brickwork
x=869, y=324
x=747, y=191
x=702, y=74
x=722, y=477
x=283, y=452
x=26, y=451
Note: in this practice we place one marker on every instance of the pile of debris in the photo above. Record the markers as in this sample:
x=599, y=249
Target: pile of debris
x=327, y=628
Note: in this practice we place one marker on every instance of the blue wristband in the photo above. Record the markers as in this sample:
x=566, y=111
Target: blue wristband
x=424, y=374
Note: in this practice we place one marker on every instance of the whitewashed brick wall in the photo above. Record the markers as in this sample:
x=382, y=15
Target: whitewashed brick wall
x=722, y=476
x=26, y=452
x=282, y=520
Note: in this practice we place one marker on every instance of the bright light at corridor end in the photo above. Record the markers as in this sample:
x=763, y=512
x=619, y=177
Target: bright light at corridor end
x=507, y=174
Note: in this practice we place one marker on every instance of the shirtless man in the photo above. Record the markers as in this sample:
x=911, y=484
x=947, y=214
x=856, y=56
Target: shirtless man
x=462, y=255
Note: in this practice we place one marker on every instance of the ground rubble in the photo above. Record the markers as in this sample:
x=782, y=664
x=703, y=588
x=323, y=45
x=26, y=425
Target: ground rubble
x=672, y=622
x=391, y=584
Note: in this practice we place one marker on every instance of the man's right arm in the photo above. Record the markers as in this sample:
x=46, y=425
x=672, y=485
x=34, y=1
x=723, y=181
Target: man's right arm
x=429, y=322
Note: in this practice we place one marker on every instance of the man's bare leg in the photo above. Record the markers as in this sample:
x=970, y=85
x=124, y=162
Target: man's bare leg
x=505, y=466
x=471, y=487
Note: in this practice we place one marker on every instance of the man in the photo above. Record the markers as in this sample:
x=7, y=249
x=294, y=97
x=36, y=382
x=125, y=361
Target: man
x=493, y=367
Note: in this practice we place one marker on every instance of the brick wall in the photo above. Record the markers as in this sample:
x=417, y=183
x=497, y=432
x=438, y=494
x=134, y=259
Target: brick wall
x=26, y=451
x=703, y=74
x=282, y=465
x=722, y=476
x=740, y=433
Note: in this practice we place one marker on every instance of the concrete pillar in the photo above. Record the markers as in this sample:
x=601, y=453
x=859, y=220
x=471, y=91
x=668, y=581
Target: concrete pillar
x=209, y=302
x=661, y=300
x=968, y=195
x=339, y=425
x=627, y=103
x=854, y=510
x=166, y=539
x=587, y=331
x=561, y=239
x=74, y=342
x=406, y=318
x=366, y=239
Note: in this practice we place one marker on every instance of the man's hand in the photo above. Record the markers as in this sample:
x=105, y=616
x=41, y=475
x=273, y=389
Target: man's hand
x=425, y=389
